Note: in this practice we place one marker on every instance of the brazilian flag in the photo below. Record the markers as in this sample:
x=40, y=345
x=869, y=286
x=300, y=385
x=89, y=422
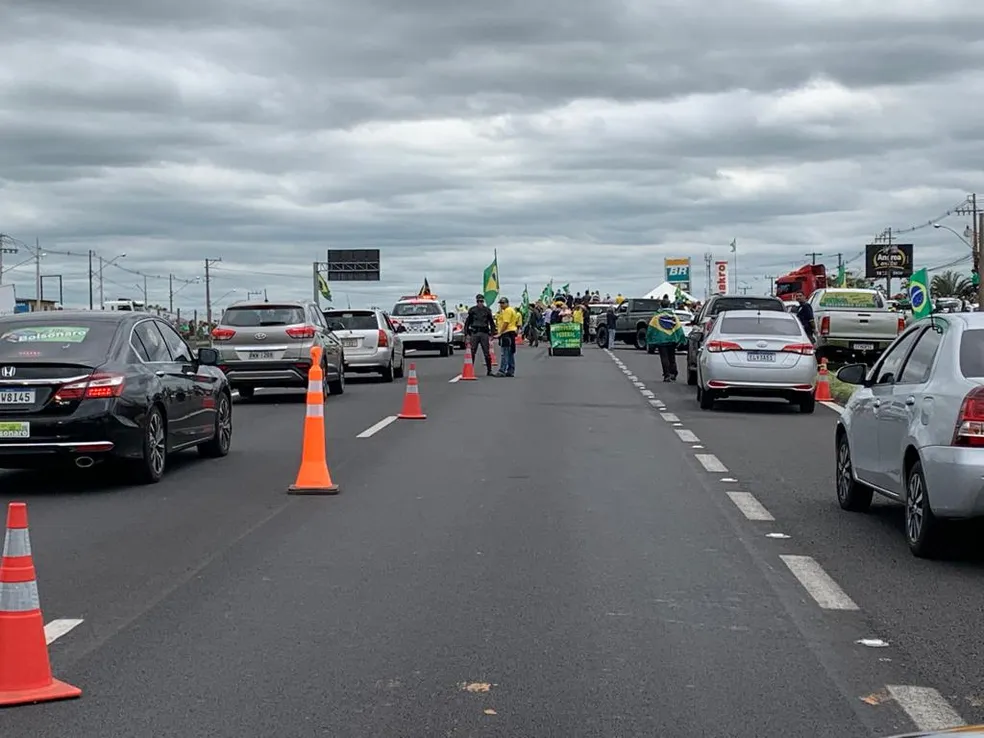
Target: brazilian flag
x=922, y=307
x=665, y=327
x=323, y=287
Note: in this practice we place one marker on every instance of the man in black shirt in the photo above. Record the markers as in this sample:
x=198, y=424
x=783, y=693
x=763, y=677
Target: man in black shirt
x=479, y=327
x=805, y=315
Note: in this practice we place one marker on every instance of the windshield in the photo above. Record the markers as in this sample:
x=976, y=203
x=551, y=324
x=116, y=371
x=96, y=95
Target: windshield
x=788, y=288
x=265, y=315
x=354, y=321
x=746, y=303
x=852, y=299
x=25, y=340
x=410, y=309
x=783, y=325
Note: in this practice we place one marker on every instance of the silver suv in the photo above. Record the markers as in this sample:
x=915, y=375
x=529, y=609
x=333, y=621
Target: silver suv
x=268, y=344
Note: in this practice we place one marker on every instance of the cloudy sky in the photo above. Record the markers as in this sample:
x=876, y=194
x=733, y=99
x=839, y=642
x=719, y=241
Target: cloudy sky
x=584, y=140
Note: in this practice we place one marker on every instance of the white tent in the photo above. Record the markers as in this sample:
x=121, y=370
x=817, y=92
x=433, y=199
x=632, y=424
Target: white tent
x=656, y=293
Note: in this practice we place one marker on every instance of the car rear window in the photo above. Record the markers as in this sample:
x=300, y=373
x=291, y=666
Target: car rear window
x=72, y=341
x=972, y=353
x=646, y=306
x=354, y=321
x=764, y=326
x=852, y=299
x=746, y=303
x=263, y=315
x=410, y=309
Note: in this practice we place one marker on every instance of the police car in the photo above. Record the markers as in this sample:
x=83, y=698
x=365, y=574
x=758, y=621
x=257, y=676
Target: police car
x=423, y=325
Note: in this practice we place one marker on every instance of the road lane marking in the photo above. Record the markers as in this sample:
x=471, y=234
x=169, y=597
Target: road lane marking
x=925, y=707
x=818, y=583
x=750, y=507
x=640, y=385
x=57, y=628
x=833, y=406
x=655, y=403
x=670, y=418
x=633, y=378
x=374, y=429
x=454, y=379
x=647, y=393
x=687, y=436
x=711, y=463
x=729, y=479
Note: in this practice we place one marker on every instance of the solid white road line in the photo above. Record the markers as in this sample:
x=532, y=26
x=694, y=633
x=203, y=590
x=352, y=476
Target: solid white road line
x=688, y=436
x=711, y=463
x=57, y=628
x=454, y=379
x=833, y=406
x=374, y=429
x=750, y=507
x=670, y=418
x=925, y=707
x=818, y=583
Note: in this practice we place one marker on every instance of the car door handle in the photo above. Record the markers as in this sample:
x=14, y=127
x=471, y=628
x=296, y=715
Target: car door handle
x=910, y=400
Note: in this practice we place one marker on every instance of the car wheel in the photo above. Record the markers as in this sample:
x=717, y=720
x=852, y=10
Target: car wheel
x=602, y=338
x=444, y=350
x=852, y=495
x=398, y=370
x=640, y=339
x=707, y=399
x=218, y=446
x=388, y=373
x=337, y=386
x=922, y=527
x=807, y=404
x=246, y=393
x=153, y=461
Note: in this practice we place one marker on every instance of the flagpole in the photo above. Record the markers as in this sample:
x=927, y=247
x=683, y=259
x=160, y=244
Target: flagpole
x=734, y=247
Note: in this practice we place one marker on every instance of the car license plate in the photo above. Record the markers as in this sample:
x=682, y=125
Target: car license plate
x=16, y=397
x=350, y=342
x=763, y=356
x=15, y=430
x=260, y=355
x=864, y=347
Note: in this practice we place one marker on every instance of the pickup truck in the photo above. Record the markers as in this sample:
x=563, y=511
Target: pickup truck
x=853, y=324
x=632, y=319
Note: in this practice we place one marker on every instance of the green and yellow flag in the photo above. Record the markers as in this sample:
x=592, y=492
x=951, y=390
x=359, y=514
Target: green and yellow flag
x=922, y=306
x=490, y=282
x=323, y=287
x=665, y=327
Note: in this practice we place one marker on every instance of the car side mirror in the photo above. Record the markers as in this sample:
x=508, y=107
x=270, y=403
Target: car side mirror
x=852, y=374
x=208, y=357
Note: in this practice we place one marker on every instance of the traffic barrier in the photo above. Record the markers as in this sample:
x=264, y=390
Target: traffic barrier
x=411, y=398
x=468, y=372
x=313, y=477
x=822, y=392
x=25, y=669
x=492, y=359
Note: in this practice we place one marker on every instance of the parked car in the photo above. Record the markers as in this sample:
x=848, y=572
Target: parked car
x=268, y=344
x=370, y=341
x=757, y=353
x=913, y=431
x=715, y=305
x=83, y=387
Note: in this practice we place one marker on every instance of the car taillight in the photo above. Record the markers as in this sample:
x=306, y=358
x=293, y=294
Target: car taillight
x=99, y=386
x=382, y=341
x=901, y=323
x=804, y=349
x=969, y=430
x=717, y=347
x=440, y=319
x=222, y=334
x=825, y=325
x=300, y=331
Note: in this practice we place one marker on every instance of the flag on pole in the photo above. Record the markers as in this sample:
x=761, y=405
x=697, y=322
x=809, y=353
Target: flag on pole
x=842, y=276
x=547, y=294
x=734, y=245
x=919, y=295
x=425, y=291
x=490, y=281
x=323, y=287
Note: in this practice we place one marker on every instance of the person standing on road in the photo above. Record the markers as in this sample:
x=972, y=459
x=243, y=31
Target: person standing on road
x=611, y=321
x=508, y=322
x=666, y=333
x=479, y=328
x=805, y=315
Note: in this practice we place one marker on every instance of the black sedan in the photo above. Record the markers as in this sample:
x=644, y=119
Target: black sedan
x=83, y=386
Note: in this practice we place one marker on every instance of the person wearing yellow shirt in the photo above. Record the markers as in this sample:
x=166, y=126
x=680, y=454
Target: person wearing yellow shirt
x=507, y=322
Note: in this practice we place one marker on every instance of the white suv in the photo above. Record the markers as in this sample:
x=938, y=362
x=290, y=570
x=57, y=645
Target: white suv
x=423, y=325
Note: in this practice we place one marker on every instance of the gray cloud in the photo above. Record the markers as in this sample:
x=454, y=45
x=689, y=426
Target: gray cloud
x=583, y=141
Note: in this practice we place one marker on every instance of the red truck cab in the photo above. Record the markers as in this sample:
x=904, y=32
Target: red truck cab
x=807, y=279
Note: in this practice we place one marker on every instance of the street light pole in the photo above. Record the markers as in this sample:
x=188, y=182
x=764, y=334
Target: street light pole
x=208, y=291
x=90, y=279
x=37, y=275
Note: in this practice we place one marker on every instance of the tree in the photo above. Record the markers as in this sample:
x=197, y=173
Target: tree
x=949, y=284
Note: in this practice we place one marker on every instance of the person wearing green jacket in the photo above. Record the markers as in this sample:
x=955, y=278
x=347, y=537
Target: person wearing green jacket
x=664, y=334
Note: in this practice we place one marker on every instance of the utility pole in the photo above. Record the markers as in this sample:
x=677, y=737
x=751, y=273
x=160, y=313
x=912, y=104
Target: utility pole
x=977, y=242
x=146, y=305
x=886, y=237
x=208, y=291
x=771, y=279
x=37, y=275
x=5, y=250
x=170, y=293
x=813, y=256
x=708, y=262
x=90, y=279
x=102, y=294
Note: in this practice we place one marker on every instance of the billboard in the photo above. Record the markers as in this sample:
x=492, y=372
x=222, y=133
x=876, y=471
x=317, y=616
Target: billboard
x=880, y=259
x=352, y=265
x=721, y=277
x=678, y=272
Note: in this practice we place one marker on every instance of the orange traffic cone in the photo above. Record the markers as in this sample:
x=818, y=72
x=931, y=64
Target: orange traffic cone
x=468, y=373
x=313, y=478
x=25, y=671
x=492, y=359
x=822, y=393
x=411, y=400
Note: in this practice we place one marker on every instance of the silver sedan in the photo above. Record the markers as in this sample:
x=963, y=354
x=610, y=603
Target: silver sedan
x=756, y=353
x=913, y=431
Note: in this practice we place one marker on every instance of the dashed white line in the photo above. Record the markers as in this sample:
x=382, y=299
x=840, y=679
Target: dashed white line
x=655, y=403
x=687, y=436
x=454, y=379
x=647, y=393
x=750, y=507
x=670, y=418
x=925, y=707
x=374, y=429
x=818, y=583
x=57, y=628
x=711, y=462
x=833, y=406
x=633, y=378
x=640, y=385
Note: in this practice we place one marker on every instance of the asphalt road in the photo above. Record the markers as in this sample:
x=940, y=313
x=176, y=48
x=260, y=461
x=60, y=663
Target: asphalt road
x=542, y=556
